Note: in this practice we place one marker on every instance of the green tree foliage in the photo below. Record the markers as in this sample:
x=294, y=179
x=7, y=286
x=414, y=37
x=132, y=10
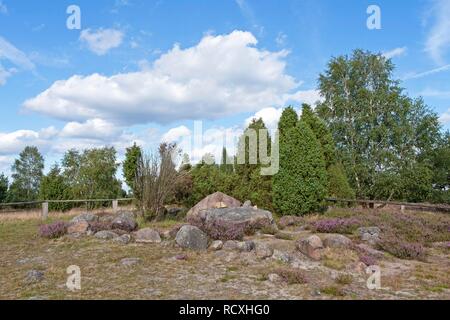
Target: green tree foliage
x=380, y=133
x=301, y=184
x=54, y=187
x=130, y=165
x=226, y=164
x=322, y=134
x=92, y=173
x=252, y=185
x=441, y=171
x=338, y=186
x=27, y=174
x=3, y=188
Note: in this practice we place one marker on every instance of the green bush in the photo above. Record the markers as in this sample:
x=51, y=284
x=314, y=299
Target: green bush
x=301, y=183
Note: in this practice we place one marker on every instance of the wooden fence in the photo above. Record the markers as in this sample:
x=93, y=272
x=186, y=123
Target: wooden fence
x=402, y=205
x=44, y=204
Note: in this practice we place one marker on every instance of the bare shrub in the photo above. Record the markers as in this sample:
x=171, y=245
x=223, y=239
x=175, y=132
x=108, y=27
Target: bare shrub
x=155, y=180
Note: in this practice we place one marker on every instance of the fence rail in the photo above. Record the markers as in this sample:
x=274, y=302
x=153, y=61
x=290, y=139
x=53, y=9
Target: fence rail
x=45, y=203
x=402, y=205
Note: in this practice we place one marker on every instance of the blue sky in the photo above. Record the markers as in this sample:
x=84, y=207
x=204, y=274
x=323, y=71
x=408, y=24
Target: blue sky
x=144, y=71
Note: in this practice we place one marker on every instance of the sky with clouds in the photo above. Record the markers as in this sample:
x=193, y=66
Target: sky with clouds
x=147, y=71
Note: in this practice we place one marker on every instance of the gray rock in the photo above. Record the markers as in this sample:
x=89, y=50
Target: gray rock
x=245, y=246
x=263, y=251
x=125, y=221
x=216, y=200
x=247, y=204
x=80, y=227
x=216, y=245
x=273, y=277
x=128, y=262
x=230, y=245
x=336, y=241
x=147, y=235
x=190, y=237
x=370, y=234
x=106, y=235
x=123, y=239
x=311, y=247
x=87, y=217
x=281, y=256
x=34, y=276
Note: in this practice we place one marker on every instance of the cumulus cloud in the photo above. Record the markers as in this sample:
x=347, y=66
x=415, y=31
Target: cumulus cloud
x=445, y=117
x=220, y=76
x=438, y=40
x=91, y=129
x=102, y=40
x=12, y=143
x=270, y=116
x=175, y=134
x=397, y=52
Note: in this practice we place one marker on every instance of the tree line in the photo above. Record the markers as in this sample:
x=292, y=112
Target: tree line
x=366, y=139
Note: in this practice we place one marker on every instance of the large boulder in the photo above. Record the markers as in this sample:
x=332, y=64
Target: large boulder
x=311, y=246
x=191, y=237
x=336, y=241
x=215, y=200
x=147, y=235
x=233, y=223
x=124, y=221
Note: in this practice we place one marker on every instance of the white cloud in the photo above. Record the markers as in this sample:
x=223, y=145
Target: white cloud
x=445, y=117
x=91, y=129
x=175, y=134
x=418, y=75
x=14, y=142
x=281, y=39
x=430, y=92
x=9, y=52
x=270, y=116
x=307, y=96
x=220, y=76
x=438, y=40
x=397, y=52
x=5, y=74
x=3, y=8
x=102, y=40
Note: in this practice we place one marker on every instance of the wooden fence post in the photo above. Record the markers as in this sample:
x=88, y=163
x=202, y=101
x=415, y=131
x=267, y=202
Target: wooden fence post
x=115, y=205
x=44, y=210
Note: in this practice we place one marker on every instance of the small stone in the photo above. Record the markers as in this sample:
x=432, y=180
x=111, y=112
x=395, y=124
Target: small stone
x=181, y=257
x=216, y=245
x=263, y=251
x=273, y=277
x=106, y=235
x=245, y=246
x=247, y=204
x=148, y=235
x=230, y=245
x=123, y=239
x=34, y=276
x=128, y=262
x=311, y=247
x=281, y=256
